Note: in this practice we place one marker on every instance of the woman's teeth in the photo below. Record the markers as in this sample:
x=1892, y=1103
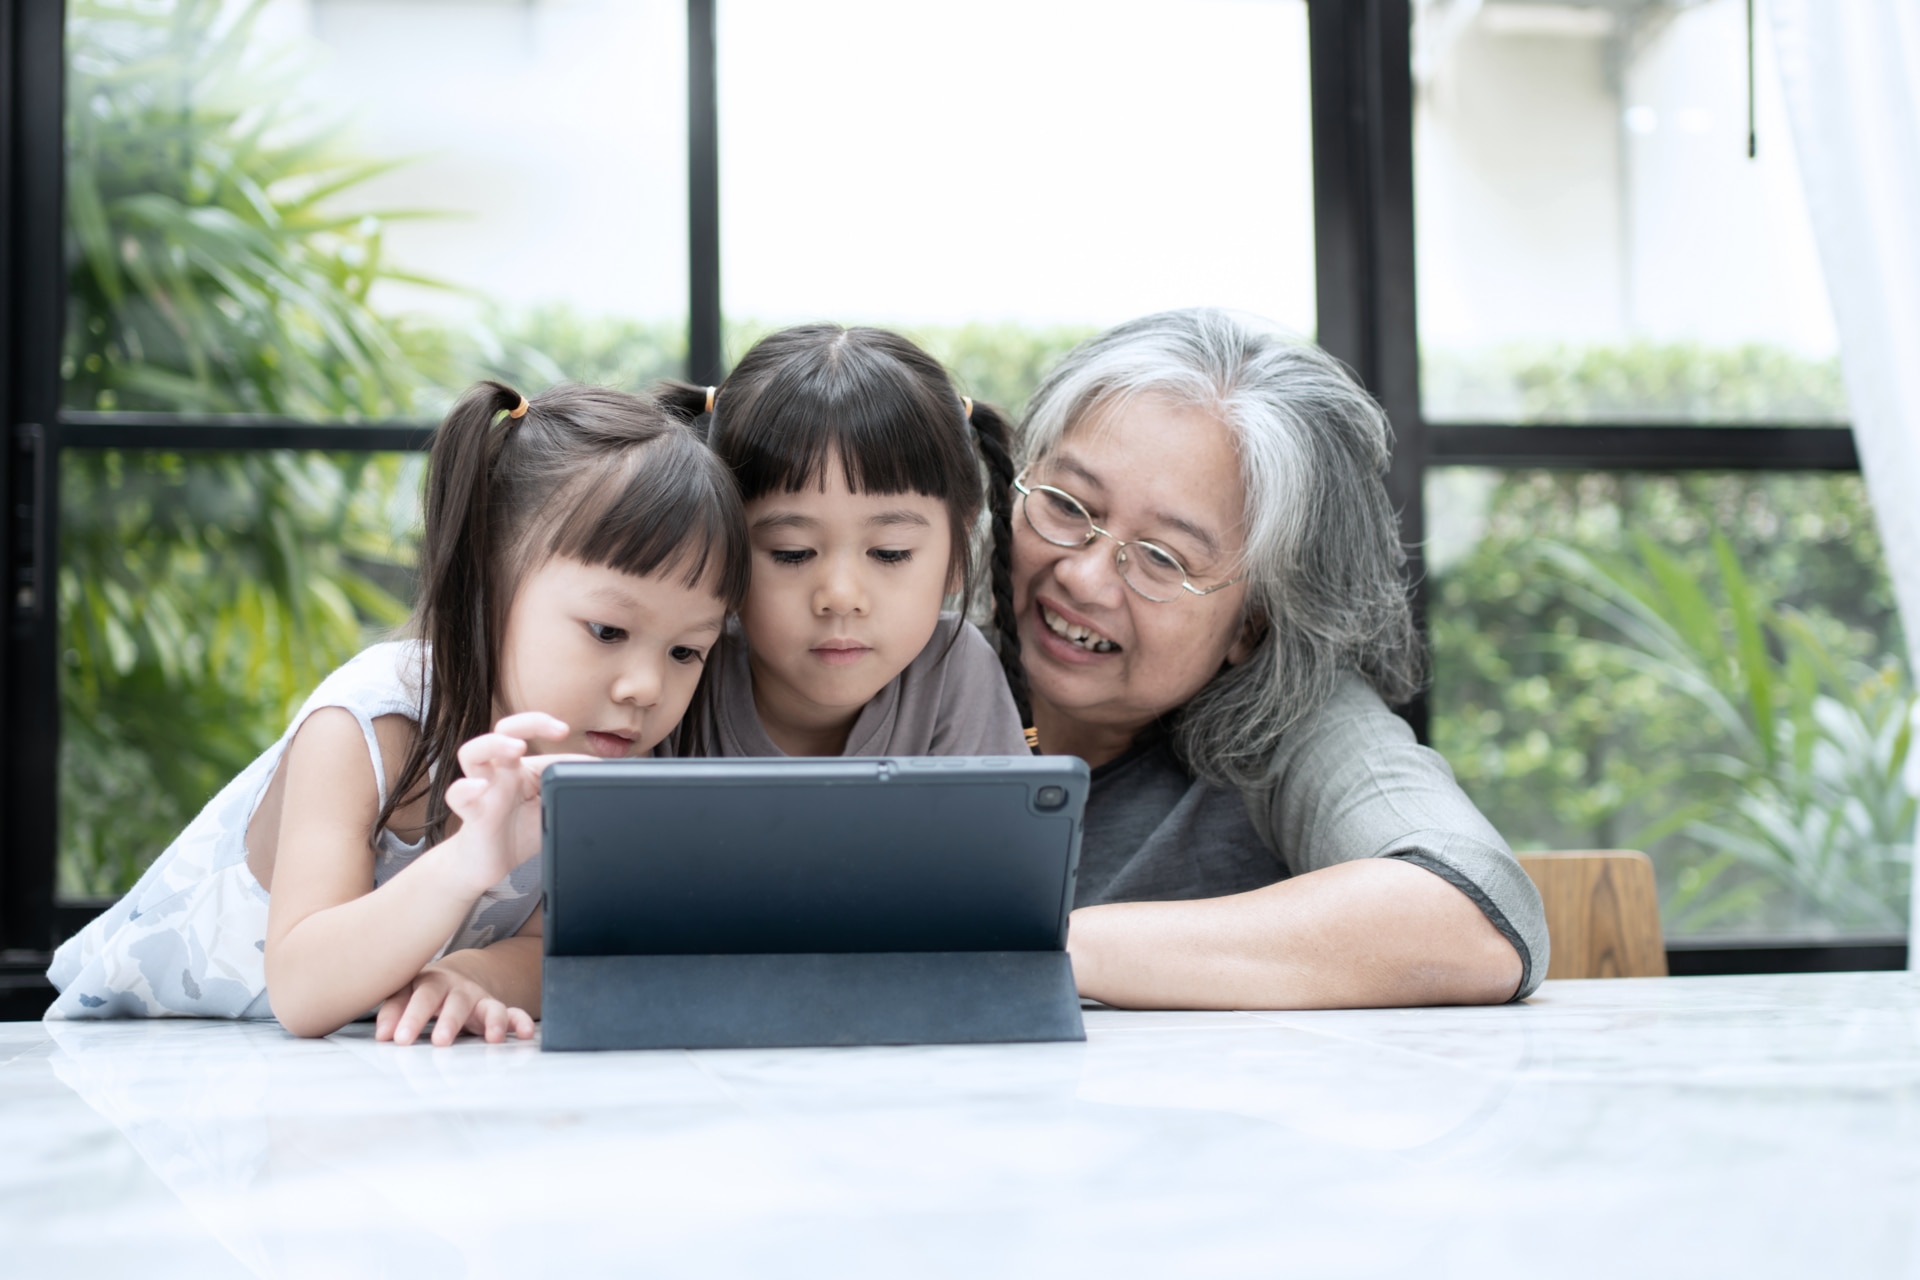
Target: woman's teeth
x=1082, y=636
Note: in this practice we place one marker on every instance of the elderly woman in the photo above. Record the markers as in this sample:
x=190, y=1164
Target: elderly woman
x=1207, y=570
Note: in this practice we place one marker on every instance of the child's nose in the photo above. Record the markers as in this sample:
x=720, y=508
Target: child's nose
x=638, y=683
x=839, y=591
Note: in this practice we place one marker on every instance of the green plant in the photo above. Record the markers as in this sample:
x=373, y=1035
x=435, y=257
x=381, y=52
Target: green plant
x=555, y=343
x=1638, y=381
x=1811, y=748
x=201, y=598
x=214, y=265
x=1565, y=745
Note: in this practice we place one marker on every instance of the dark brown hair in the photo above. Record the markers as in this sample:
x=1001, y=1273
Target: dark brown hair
x=590, y=473
x=890, y=413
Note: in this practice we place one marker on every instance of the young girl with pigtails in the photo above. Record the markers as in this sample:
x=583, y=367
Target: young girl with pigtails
x=861, y=469
x=582, y=552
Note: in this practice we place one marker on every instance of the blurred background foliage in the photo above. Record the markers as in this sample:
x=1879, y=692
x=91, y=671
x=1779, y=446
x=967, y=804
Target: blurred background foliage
x=1704, y=666
x=1686, y=664
x=1637, y=382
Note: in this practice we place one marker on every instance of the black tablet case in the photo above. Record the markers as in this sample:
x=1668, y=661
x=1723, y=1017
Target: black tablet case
x=760, y=903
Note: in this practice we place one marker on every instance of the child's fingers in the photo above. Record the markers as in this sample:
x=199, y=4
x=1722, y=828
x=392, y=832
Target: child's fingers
x=489, y=751
x=520, y=1022
x=464, y=793
x=533, y=726
x=421, y=1006
x=390, y=1010
x=489, y=1019
x=452, y=1017
x=538, y=764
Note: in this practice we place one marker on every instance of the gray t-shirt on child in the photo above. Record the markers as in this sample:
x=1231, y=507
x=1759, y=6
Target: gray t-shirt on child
x=1348, y=782
x=952, y=700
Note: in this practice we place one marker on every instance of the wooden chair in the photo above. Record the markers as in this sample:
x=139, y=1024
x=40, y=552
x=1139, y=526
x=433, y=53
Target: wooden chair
x=1603, y=914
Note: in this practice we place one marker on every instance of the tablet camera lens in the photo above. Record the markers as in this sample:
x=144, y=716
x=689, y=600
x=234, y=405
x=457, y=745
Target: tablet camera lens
x=1050, y=798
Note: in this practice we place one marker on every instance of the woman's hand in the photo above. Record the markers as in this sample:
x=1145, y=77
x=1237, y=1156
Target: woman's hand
x=453, y=1002
x=498, y=799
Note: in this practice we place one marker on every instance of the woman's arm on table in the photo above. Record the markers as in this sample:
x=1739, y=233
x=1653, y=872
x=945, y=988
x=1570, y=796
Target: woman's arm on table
x=1402, y=893
x=1369, y=933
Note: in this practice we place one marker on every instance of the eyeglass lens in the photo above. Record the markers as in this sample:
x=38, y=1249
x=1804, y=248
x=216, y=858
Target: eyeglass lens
x=1060, y=519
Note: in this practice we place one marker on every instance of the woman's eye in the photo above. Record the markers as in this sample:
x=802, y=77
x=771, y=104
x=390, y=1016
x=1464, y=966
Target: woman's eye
x=891, y=555
x=606, y=634
x=790, y=557
x=1064, y=506
x=1158, y=558
x=685, y=654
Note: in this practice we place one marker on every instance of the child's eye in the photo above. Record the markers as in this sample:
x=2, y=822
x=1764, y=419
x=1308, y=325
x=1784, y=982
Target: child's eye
x=606, y=634
x=686, y=654
x=891, y=555
x=791, y=557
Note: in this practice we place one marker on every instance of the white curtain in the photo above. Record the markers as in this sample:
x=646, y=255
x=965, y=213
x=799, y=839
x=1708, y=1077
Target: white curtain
x=1851, y=72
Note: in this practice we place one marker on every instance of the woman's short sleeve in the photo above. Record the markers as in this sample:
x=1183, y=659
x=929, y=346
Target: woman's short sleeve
x=1351, y=782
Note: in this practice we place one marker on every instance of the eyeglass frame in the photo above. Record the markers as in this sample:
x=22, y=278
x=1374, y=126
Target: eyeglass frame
x=1119, y=546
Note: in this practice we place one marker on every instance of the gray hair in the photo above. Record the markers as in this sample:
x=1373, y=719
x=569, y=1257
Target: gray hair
x=1323, y=559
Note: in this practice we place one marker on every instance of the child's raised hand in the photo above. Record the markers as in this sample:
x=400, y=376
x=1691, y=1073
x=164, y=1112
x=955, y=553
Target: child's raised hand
x=498, y=799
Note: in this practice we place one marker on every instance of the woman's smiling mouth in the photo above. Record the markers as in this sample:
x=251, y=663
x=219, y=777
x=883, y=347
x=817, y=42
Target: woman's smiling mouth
x=1081, y=637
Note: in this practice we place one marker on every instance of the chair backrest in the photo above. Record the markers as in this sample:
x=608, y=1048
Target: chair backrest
x=1603, y=914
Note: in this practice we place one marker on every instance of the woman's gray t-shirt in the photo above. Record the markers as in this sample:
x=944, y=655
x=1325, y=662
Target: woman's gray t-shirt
x=1348, y=782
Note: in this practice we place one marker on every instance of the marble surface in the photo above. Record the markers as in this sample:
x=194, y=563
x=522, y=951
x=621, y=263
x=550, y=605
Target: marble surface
x=1693, y=1127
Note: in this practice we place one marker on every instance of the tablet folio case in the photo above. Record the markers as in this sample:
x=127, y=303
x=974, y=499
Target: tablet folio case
x=749, y=903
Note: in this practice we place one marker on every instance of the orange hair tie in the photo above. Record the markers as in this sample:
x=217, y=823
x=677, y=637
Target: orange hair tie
x=710, y=391
x=520, y=410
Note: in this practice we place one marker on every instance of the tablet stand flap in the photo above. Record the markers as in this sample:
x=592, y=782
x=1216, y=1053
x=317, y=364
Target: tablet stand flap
x=769, y=1001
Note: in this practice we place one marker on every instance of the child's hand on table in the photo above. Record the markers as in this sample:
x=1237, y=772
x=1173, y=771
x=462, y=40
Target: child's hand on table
x=454, y=1003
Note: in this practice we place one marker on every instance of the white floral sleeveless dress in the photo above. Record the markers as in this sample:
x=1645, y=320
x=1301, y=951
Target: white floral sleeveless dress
x=190, y=939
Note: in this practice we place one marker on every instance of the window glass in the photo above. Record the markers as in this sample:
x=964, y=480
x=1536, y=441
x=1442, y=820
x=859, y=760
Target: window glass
x=348, y=209
x=1702, y=666
x=1004, y=178
x=202, y=596
x=1594, y=242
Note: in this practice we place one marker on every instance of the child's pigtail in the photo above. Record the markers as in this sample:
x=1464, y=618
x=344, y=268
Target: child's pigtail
x=456, y=596
x=685, y=401
x=994, y=435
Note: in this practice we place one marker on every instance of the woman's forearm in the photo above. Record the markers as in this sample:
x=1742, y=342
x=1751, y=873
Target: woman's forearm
x=1366, y=934
x=336, y=964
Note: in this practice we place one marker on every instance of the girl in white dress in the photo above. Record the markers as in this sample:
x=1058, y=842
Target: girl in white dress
x=581, y=554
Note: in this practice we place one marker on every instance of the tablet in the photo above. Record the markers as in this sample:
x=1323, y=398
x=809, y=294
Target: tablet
x=919, y=881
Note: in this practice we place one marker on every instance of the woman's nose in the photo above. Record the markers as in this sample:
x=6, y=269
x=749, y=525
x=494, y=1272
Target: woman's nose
x=1090, y=573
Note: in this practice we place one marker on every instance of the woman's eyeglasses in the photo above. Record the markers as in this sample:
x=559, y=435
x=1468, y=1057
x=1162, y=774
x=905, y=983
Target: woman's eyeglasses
x=1149, y=568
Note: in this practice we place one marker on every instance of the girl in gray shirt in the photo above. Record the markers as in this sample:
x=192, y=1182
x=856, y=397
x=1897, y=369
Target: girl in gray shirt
x=861, y=468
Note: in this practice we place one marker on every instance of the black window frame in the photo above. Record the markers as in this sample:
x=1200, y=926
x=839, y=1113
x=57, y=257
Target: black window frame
x=1362, y=142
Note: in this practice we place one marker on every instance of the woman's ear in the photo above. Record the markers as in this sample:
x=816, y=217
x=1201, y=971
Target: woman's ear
x=1253, y=629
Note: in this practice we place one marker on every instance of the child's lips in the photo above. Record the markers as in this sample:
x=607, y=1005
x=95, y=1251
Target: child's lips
x=609, y=746
x=841, y=653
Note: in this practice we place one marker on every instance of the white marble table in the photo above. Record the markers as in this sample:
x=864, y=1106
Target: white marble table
x=1694, y=1127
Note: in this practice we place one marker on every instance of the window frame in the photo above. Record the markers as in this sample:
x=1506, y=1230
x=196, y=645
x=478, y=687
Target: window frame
x=1362, y=140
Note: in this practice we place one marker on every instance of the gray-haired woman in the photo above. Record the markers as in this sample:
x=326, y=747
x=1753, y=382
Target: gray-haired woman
x=1207, y=570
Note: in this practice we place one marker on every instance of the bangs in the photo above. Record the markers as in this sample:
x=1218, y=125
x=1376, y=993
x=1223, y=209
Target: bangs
x=890, y=434
x=666, y=507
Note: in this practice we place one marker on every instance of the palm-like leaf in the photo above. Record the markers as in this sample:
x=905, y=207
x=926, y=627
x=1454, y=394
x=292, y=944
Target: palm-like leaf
x=212, y=268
